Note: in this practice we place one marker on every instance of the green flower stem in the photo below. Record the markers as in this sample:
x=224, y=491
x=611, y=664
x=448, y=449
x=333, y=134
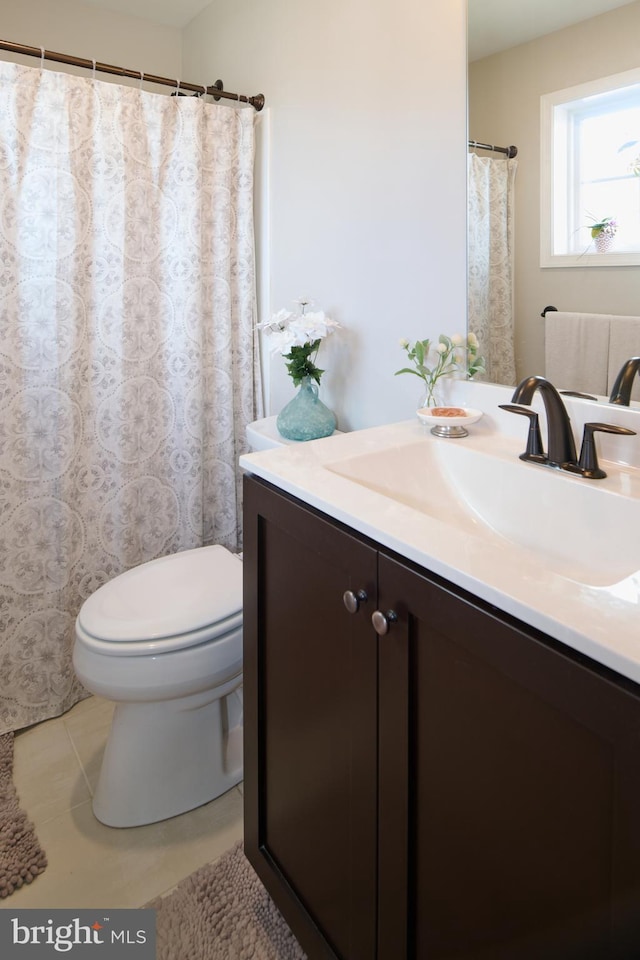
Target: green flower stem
x=448, y=359
x=301, y=363
x=445, y=361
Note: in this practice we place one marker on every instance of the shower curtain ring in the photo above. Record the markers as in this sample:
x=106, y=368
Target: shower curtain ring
x=93, y=72
x=177, y=93
x=42, y=58
x=140, y=80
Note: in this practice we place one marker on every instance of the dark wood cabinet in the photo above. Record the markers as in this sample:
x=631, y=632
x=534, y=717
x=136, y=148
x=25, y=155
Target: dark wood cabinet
x=310, y=679
x=458, y=787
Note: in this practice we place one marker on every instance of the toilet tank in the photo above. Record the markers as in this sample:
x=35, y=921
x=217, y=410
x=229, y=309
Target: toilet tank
x=263, y=435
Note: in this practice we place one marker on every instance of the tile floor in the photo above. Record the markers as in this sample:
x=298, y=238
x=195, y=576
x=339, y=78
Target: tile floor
x=55, y=771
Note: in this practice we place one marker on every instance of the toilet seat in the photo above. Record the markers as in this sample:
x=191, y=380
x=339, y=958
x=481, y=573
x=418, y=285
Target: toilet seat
x=163, y=645
x=167, y=604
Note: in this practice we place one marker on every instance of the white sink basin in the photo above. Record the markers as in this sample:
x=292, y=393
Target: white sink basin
x=583, y=530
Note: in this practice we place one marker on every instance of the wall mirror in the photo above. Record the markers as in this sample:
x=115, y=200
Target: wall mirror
x=517, y=54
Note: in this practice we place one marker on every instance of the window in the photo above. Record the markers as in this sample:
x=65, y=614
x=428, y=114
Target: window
x=590, y=174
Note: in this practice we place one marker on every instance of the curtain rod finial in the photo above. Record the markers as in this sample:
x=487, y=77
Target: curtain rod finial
x=218, y=85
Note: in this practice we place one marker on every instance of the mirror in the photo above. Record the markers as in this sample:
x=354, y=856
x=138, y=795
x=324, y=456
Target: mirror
x=517, y=53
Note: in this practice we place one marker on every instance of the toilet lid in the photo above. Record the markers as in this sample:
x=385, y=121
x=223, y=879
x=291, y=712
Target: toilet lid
x=172, y=595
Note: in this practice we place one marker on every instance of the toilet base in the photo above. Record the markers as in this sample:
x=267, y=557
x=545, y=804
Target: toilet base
x=165, y=758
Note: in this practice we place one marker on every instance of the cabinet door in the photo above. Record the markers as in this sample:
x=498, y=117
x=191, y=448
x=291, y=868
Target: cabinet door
x=310, y=672
x=509, y=788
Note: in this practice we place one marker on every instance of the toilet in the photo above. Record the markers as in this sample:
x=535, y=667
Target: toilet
x=164, y=641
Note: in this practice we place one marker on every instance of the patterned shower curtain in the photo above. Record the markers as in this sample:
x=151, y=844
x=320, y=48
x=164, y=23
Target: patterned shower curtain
x=490, y=252
x=128, y=357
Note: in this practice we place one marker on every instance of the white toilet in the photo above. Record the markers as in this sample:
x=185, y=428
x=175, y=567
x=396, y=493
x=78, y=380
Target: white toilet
x=164, y=641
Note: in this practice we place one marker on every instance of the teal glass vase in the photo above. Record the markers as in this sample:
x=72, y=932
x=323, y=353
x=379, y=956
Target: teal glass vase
x=306, y=417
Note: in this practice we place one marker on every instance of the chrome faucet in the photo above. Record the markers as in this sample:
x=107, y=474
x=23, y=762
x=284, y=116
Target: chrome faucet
x=621, y=390
x=561, y=447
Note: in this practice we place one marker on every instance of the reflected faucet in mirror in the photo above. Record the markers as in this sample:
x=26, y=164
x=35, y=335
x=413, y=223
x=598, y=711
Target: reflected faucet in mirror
x=621, y=390
x=561, y=448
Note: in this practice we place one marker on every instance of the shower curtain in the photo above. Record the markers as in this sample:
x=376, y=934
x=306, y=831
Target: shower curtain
x=128, y=355
x=490, y=252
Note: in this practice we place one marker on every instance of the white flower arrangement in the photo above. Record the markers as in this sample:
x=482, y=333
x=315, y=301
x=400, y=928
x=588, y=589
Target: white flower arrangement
x=297, y=336
x=449, y=355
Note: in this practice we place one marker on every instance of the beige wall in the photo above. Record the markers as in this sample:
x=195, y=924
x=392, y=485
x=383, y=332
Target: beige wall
x=504, y=108
x=83, y=30
x=366, y=188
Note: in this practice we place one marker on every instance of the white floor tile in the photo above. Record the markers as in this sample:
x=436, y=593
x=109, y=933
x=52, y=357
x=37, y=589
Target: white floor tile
x=47, y=774
x=91, y=865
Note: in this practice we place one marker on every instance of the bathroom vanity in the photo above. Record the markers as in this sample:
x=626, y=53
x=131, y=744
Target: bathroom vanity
x=442, y=735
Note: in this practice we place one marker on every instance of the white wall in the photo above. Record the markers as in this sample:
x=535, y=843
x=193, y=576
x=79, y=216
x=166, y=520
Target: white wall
x=504, y=108
x=82, y=30
x=367, y=190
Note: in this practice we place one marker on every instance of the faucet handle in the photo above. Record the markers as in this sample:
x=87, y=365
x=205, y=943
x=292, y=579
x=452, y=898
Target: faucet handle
x=534, y=449
x=576, y=393
x=588, y=464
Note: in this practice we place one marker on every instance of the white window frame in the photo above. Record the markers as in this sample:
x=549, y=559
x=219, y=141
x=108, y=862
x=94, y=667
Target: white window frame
x=552, y=174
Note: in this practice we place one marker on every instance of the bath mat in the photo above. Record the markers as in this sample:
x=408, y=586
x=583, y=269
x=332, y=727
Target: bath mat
x=21, y=857
x=222, y=912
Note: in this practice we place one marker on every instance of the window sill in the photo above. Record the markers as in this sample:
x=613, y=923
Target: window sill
x=589, y=259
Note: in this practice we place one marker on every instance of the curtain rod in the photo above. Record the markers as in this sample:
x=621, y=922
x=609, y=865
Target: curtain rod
x=510, y=151
x=216, y=90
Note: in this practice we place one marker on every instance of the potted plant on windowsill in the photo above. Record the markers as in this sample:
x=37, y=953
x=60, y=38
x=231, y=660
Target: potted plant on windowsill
x=603, y=233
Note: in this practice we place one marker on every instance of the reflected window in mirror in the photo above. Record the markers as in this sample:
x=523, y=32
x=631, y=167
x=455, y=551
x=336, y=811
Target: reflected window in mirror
x=590, y=172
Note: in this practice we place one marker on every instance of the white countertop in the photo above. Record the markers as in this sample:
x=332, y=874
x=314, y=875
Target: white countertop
x=601, y=620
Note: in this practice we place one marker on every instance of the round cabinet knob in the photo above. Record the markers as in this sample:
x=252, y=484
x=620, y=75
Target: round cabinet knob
x=353, y=600
x=382, y=621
